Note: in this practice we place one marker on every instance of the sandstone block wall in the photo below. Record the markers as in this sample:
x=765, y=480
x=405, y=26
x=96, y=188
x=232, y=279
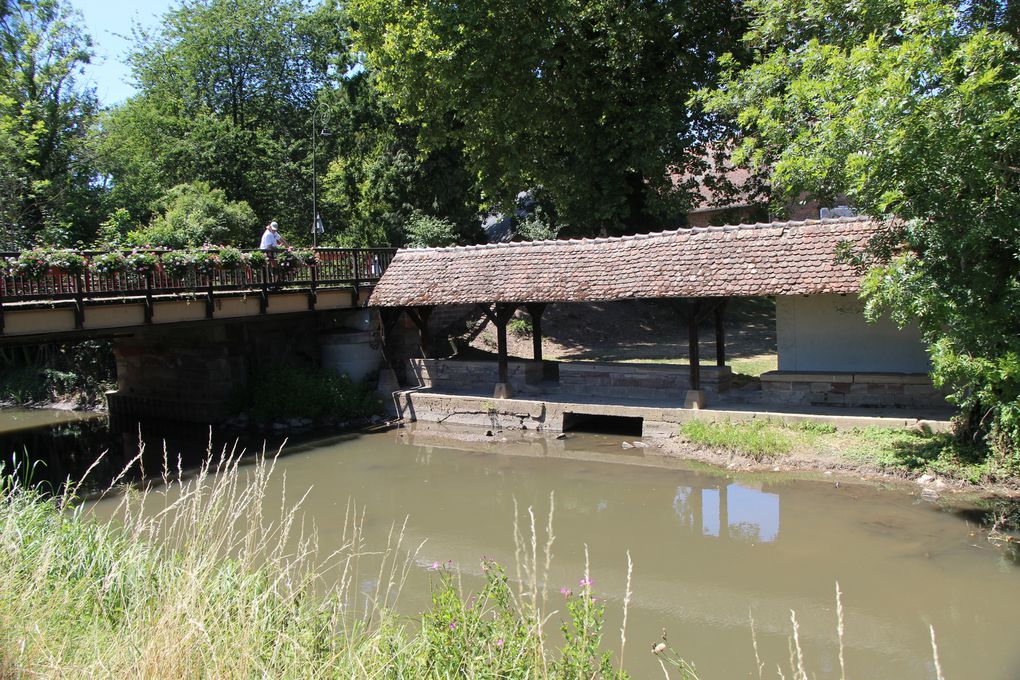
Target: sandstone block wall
x=910, y=390
x=634, y=381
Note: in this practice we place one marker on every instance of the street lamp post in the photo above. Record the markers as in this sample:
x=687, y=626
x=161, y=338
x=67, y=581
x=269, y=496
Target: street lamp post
x=317, y=226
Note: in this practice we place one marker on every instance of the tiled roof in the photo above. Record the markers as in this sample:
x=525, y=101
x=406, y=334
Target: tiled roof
x=779, y=258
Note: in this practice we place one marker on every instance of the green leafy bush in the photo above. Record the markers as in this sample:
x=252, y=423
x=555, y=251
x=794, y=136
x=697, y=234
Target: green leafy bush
x=141, y=262
x=31, y=264
x=230, y=257
x=109, y=263
x=520, y=327
x=290, y=259
x=256, y=259
x=206, y=261
x=178, y=263
x=302, y=392
x=426, y=231
x=67, y=261
x=194, y=214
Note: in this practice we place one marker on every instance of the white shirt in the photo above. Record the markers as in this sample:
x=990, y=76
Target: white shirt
x=270, y=239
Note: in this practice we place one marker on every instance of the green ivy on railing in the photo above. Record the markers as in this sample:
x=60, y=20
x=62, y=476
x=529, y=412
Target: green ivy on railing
x=208, y=260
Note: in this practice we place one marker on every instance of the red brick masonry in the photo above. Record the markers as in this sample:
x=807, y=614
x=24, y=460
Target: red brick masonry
x=779, y=258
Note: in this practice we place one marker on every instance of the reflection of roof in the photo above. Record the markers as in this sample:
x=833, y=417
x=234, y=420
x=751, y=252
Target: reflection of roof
x=780, y=258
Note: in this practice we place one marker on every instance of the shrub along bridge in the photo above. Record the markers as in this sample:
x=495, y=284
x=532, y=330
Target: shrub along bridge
x=58, y=302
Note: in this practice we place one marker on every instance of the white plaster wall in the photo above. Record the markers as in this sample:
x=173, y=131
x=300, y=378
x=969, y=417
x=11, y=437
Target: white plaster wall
x=829, y=333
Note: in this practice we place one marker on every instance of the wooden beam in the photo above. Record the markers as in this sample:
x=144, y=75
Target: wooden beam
x=720, y=333
x=535, y=311
x=489, y=314
x=693, y=307
x=503, y=312
x=389, y=317
x=420, y=317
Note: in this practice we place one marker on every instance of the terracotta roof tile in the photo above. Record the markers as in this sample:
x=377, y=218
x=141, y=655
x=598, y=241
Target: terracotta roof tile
x=780, y=258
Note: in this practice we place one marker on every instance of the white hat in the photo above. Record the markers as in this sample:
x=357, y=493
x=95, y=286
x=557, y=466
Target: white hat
x=273, y=226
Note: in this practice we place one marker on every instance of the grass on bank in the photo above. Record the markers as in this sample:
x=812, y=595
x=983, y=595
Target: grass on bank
x=751, y=367
x=896, y=450
x=198, y=578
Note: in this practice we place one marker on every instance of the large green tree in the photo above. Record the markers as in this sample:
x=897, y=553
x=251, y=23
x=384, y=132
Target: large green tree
x=912, y=109
x=47, y=181
x=587, y=100
x=379, y=178
x=225, y=94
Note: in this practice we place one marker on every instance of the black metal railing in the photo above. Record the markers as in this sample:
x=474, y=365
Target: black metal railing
x=334, y=268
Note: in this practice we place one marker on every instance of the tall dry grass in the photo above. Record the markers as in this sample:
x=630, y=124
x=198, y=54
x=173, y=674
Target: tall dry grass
x=199, y=577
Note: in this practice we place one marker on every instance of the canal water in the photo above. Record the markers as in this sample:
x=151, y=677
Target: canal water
x=709, y=550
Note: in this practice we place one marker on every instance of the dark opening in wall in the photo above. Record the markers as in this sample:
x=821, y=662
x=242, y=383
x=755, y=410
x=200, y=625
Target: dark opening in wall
x=629, y=426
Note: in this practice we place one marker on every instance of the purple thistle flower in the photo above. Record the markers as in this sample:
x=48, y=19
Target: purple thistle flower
x=499, y=643
x=585, y=582
x=453, y=625
x=565, y=591
x=434, y=567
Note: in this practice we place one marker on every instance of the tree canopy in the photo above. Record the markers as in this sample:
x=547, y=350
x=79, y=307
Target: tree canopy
x=47, y=187
x=586, y=100
x=910, y=108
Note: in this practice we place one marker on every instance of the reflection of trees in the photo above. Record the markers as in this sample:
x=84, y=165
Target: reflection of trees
x=745, y=531
x=687, y=504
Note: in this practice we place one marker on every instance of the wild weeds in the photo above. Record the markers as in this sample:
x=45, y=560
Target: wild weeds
x=201, y=577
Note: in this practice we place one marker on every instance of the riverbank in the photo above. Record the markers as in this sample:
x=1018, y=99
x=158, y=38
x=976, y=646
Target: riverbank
x=910, y=460
x=707, y=547
x=156, y=597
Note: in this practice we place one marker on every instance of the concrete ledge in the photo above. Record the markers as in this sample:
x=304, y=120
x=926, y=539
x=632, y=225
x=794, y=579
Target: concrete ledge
x=892, y=378
x=866, y=378
x=800, y=376
x=658, y=421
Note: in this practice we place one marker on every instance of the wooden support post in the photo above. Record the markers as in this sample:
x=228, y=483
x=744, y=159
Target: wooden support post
x=420, y=317
x=720, y=333
x=389, y=317
x=313, y=294
x=695, y=398
x=390, y=375
x=503, y=312
x=79, y=302
x=209, y=306
x=148, y=297
x=535, y=311
x=264, y=293
x=693, y=307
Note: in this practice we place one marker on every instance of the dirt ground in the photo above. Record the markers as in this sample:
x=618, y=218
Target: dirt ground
x=642, y=330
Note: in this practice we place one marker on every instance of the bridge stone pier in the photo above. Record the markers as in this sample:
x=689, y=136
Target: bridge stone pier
x=195, y=373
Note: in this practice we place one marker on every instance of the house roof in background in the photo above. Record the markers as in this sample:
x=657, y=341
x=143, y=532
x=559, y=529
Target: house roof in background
x=778, y=258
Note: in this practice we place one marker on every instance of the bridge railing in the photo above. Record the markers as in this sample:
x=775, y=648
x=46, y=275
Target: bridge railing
x=334, y=267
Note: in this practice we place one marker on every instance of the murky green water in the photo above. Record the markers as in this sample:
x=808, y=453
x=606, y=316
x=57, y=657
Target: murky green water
x=20, y=419
x=707, y=551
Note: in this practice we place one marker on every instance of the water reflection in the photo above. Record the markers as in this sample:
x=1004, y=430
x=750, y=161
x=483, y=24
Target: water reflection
x=706, y=550
x=747, y=513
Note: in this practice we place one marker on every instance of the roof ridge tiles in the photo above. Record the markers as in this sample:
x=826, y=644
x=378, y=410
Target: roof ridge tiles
x=786, y=224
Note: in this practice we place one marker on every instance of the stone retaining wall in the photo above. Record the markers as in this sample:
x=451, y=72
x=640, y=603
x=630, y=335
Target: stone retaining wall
x=657, y=421
x=634, y=381
x=911, y=390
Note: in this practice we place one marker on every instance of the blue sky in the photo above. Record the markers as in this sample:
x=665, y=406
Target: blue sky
x=110, y=23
